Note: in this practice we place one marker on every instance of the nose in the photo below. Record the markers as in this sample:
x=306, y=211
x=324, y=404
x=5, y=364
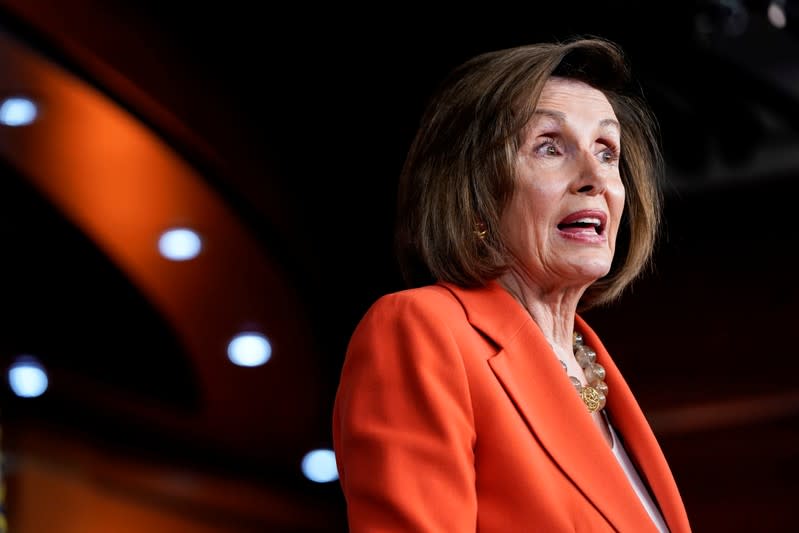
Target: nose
x=590, y=178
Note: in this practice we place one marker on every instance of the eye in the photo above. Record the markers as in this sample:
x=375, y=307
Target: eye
x=609, y=155
x=548, y=147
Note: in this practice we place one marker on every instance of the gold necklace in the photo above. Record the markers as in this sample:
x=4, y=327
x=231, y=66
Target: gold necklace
x=594, y=395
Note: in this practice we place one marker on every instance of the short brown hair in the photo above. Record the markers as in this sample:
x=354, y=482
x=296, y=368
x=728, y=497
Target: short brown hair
x=459, y=171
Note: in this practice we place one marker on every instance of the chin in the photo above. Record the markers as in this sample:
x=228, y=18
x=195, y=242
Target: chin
x=593, y=270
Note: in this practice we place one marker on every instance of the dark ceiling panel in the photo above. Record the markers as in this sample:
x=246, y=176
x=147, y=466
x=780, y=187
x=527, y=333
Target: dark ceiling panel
x=70, y=307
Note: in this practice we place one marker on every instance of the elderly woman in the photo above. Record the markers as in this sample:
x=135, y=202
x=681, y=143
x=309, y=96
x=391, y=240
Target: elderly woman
x=478, y=399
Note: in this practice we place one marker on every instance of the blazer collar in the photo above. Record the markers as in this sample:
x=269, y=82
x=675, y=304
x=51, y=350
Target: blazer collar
x=558, y=418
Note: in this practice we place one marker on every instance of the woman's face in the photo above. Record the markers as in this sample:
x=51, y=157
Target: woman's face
x=562, y=221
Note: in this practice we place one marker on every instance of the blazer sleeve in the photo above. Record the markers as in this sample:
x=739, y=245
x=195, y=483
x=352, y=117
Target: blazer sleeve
x=403, y=429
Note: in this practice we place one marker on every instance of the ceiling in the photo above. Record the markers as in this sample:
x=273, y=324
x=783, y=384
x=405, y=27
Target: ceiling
x=280, y=135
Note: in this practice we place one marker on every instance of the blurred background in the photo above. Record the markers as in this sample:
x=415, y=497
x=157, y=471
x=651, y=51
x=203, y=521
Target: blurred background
x=196, y=202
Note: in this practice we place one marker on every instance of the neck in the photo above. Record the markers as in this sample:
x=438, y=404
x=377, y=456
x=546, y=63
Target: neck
x=553, y=311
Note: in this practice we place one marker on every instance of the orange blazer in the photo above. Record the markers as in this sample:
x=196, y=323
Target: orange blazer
x=453, y=415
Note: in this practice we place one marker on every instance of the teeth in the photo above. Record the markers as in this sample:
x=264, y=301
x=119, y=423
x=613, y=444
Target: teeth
x=594, y=221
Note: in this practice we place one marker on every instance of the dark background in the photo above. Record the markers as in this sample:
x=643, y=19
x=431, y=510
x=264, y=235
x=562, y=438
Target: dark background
x=298, y=118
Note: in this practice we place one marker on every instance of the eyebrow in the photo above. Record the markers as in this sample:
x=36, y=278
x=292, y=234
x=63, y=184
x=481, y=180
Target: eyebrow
x=561, y=117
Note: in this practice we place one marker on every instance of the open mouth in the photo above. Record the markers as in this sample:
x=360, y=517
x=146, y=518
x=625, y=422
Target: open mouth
x=581, y=222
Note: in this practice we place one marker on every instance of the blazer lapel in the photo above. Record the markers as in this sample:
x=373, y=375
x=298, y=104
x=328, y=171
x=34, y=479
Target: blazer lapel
x=640, y=442
x=535, y=381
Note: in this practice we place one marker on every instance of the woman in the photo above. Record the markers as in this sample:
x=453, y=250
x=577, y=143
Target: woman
x=478, y=399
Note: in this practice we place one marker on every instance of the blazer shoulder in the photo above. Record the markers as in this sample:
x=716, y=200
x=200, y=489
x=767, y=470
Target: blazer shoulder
x=431, y=308
x=433, y=299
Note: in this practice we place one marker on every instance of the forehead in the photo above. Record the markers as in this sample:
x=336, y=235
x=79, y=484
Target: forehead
x=574, y=97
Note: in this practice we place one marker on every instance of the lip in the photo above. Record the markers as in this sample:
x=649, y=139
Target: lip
x=569, y=228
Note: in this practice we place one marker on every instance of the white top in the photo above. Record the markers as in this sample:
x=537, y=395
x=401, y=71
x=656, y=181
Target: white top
x=635, y=481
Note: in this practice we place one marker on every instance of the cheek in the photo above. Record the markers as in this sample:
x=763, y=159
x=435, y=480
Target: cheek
x=522, y=221
x=616, y=200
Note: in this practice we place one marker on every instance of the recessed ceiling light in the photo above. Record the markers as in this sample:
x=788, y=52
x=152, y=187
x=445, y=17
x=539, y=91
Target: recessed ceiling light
x=249, y=349
x=17, y=111
x=320, y=466
x=180, y=244
x=27, y=377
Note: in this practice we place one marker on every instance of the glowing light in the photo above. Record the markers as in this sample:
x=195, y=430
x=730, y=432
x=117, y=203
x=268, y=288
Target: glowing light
x=17, y=111
x=249, y=349
x=27, y=377
x=179, y=244
x=320, y=466
x=776, y=14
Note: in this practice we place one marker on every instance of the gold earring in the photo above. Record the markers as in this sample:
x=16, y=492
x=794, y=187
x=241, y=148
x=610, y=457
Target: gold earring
x=480, y=230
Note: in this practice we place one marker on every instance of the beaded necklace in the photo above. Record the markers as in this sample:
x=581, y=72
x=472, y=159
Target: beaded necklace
x=594, y=395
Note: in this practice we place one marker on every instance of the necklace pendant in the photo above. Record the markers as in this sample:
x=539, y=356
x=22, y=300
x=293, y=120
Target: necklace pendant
x=591, y=398
x=594, y=396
